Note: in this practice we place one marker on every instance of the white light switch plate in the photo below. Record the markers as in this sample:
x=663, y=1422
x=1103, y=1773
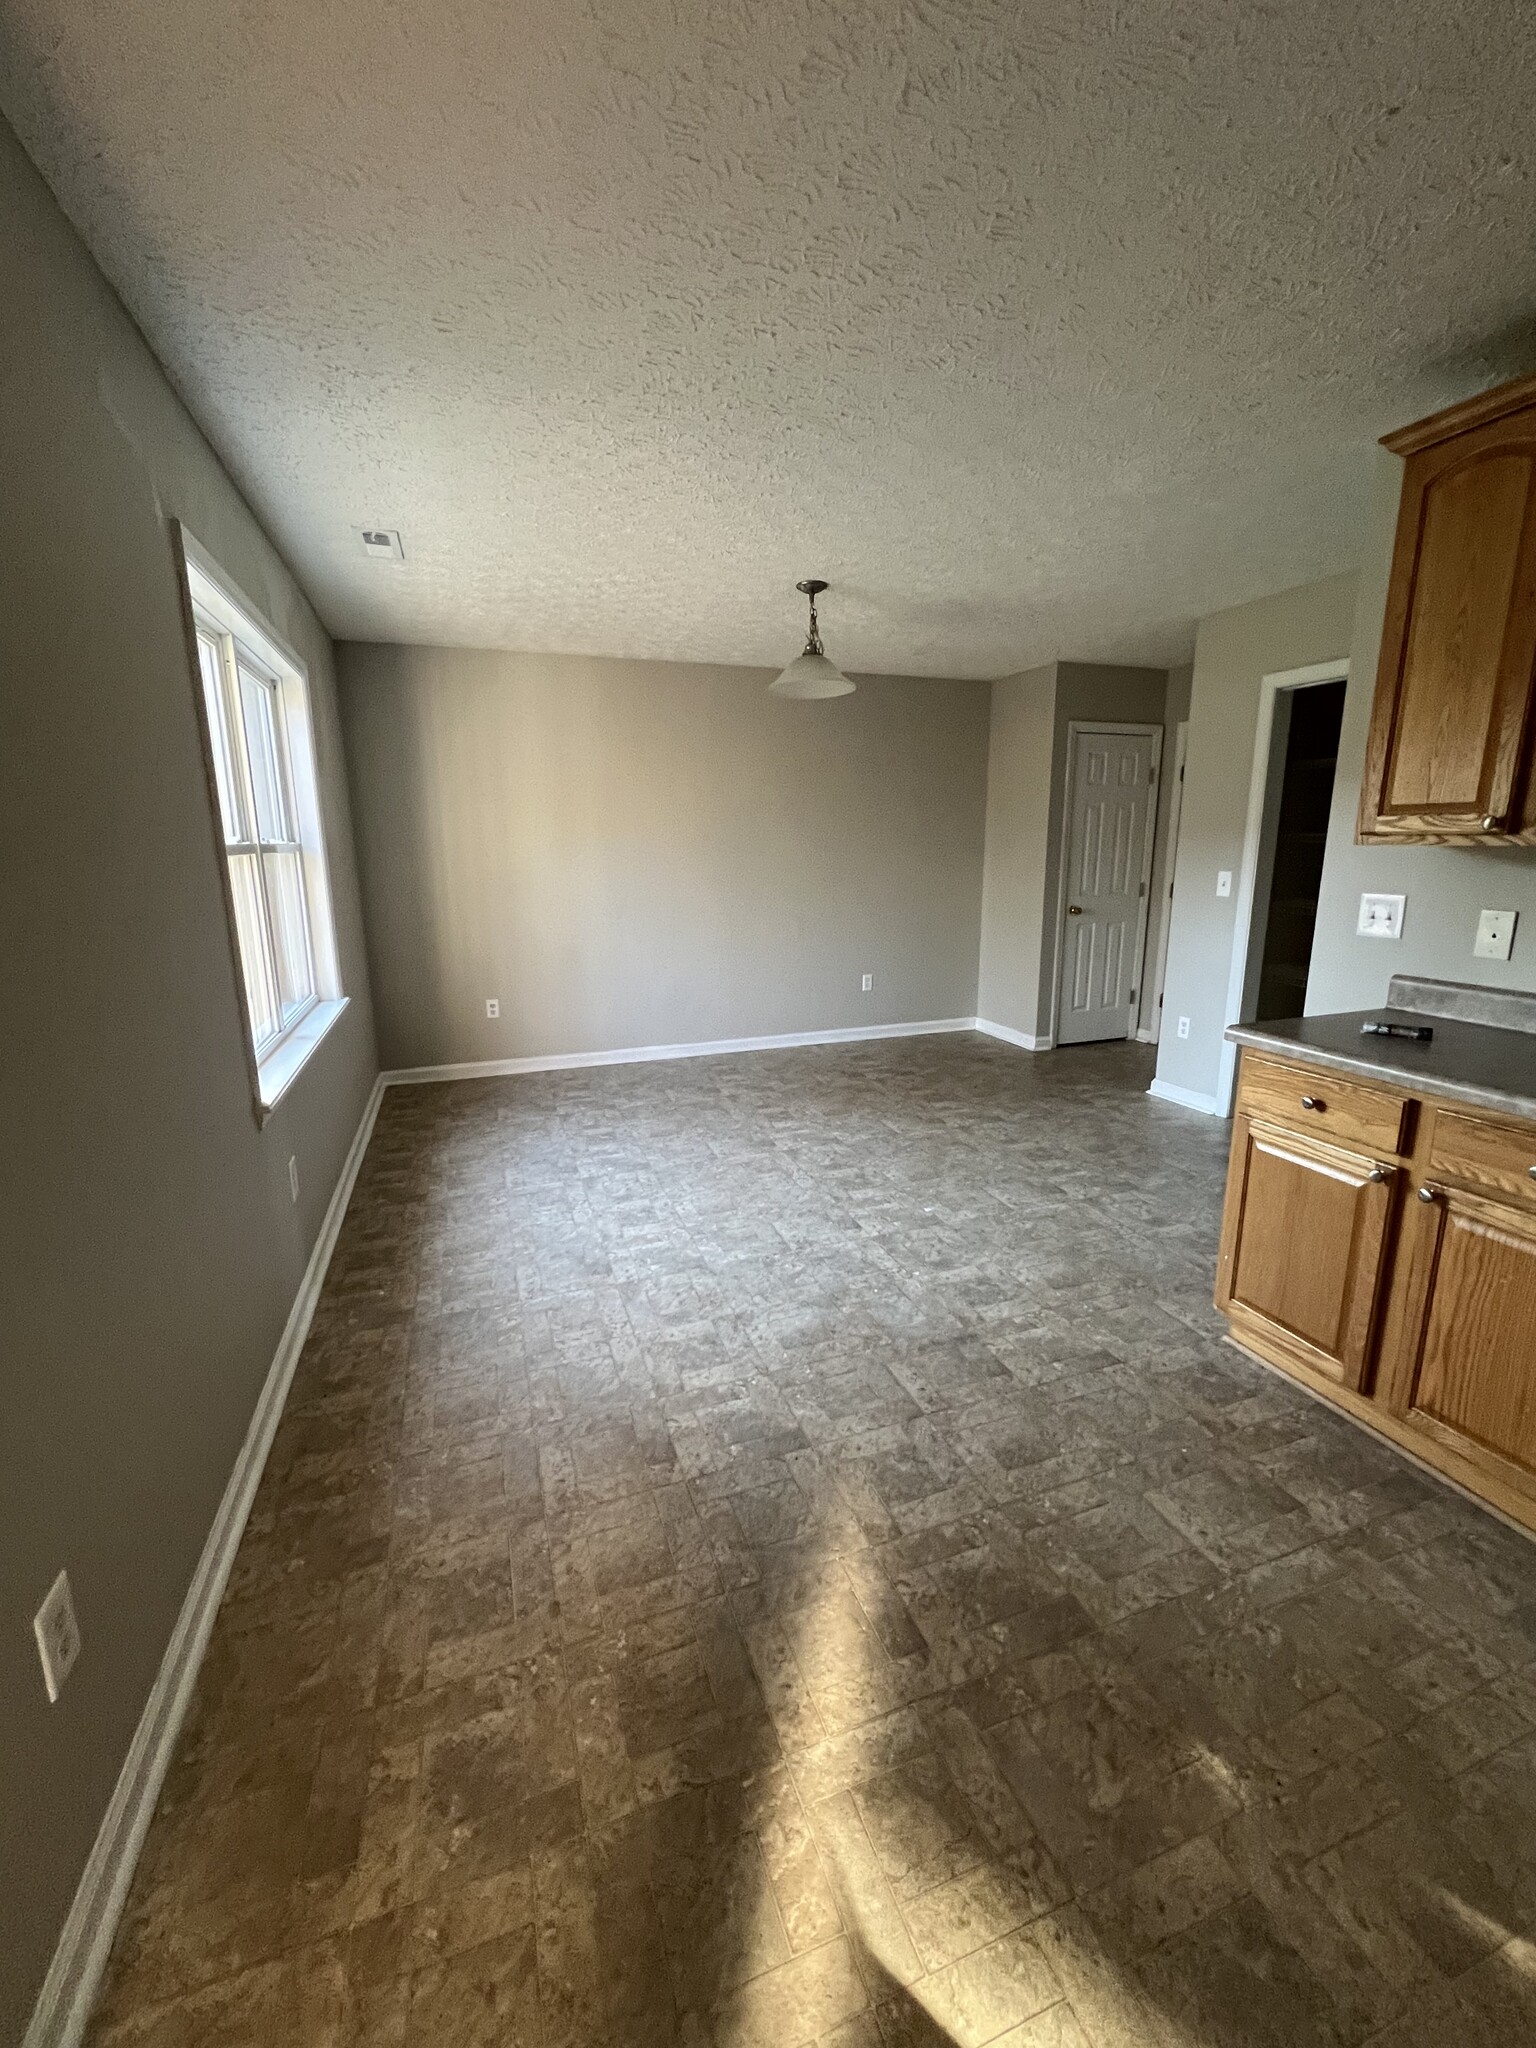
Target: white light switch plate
x=1224, y=882
x=1495, y=934
x=1381, y=917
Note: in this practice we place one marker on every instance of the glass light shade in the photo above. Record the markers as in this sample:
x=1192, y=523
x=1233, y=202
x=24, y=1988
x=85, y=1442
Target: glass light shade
x=811, y=675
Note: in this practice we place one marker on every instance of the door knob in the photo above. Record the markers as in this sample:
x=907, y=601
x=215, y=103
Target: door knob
x=1430, y=1193
x=1313, y=1102
x=1074, y=910
x=1378, y=1174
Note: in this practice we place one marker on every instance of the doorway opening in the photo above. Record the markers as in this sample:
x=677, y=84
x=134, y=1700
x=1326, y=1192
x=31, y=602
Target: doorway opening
x=1295, y=762
x=1282, y=936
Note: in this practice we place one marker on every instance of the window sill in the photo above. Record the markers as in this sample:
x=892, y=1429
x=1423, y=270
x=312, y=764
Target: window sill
x=276, y=1074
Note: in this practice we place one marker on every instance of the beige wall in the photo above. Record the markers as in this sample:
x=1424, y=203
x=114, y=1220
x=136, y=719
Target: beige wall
x=1026, y=802
x=1019, y=770
x=1445, y=886
x=1175, y=712
x=151, y=1251
x=637, y=853
x=1234, y=651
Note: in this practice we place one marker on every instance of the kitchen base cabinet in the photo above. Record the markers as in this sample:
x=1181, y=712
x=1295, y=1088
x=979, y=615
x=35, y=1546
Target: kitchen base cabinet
x=1381, y=1283
x=1303, y=1239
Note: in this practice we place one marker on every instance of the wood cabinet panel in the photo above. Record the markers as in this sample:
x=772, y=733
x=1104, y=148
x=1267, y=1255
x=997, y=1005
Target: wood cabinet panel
x=1497, y=1158
x=1452, y=724
x=1303, y=1241
x=1466, y=1369
x=1315, y=1102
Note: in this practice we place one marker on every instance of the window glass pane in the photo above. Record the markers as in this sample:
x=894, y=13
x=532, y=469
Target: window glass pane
x=258, y=705
x=255, y=950
x=225, y=773
x=290, y=930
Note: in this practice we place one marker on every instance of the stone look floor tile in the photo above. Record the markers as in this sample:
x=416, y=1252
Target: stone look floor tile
x=776, y=1550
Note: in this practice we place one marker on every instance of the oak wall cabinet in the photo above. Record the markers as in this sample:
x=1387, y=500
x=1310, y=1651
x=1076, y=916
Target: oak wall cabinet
x=1453, y=721
x=1380, y=1246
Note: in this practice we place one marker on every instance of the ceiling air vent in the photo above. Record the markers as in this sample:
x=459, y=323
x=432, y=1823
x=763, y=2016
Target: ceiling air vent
x=382, y=544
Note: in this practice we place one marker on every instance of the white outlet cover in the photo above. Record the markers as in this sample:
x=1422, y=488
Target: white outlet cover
x=493, y=1006
x=1183, y=1027
x=868, y=983
x=1224, y=882
x=1495, y=934
x=58, y=1635
x=1381, y=917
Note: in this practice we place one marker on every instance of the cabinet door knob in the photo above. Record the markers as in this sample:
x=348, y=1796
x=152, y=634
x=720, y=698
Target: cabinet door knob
x=1313, y=1102
x=1379, y=1173
x=1430, y=1193
x=1074, y=910
x=1492, y=824
x=1531, y=1170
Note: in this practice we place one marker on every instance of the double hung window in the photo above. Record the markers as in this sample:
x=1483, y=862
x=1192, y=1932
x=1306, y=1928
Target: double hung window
x=260, y=741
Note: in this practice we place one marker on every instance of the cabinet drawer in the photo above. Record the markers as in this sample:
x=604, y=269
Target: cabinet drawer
x=1324, y=1104
x=1499, y=1158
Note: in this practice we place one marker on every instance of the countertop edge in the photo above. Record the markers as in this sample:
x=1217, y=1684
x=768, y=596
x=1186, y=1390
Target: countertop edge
x=1400, y=1078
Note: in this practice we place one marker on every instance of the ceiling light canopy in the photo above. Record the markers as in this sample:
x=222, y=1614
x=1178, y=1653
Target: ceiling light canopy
x=811, y=674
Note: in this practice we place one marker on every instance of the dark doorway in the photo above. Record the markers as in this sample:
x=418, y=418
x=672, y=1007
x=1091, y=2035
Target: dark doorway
x=1301, y=834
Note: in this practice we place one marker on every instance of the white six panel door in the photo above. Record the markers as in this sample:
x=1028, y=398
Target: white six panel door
x=1109, y=828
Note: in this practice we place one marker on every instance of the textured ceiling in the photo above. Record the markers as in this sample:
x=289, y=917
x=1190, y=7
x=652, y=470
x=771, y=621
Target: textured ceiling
x=1039, y=329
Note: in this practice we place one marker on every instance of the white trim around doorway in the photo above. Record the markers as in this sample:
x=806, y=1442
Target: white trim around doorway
x=1254, y=834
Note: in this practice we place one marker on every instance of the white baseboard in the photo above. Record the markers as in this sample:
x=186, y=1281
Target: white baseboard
x=1147, y=1035
x=74, y=1976
x=549, y=1063
x=1186, y=1098
x=1006, y=1032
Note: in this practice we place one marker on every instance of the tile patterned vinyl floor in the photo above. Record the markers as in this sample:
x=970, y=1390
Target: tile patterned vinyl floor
x=774, y=1550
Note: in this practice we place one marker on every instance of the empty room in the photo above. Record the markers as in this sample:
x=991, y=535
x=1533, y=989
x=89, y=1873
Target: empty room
x=768, y=869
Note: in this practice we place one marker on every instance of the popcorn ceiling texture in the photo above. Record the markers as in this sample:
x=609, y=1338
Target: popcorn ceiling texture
x=1039, y=330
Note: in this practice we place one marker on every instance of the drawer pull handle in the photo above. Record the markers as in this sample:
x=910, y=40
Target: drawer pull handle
x=1381, y=1173
x=1313, y=1102
x=1430, y=1193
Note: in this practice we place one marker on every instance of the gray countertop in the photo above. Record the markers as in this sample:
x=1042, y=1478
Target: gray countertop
x=1475, y=1063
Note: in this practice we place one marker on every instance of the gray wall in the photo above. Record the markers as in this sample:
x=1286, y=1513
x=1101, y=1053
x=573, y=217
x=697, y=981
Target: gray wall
x=151, y=1249
x=1026, y=802
x=1019, y=772
x=1175, y=711
x=639, y=853
x=1234, y=651
x=1445, y=886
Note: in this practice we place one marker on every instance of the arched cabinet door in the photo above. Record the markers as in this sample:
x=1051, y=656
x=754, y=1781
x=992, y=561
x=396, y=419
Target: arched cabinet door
x=1453, y=720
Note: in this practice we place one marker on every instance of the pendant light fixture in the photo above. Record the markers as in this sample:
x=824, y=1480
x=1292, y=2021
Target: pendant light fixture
x=811, y=674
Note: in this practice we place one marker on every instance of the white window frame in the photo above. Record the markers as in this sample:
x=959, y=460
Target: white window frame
x=242, y=644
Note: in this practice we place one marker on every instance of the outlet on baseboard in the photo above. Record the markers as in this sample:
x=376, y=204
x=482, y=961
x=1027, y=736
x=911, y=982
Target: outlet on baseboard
x=58, y=1635
x=493, y=1006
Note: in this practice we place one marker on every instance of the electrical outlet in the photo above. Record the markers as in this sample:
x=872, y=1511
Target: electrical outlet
x=868, y=983
x=1224, y=882
x=293, y=1178
x=1183, y=1027
x=493, y=1006
x=1495, y=934
x=1381, y=917
x=58, y=1635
